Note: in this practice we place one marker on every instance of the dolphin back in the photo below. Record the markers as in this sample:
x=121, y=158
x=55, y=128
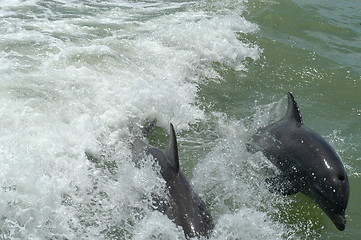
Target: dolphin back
x=265, y=138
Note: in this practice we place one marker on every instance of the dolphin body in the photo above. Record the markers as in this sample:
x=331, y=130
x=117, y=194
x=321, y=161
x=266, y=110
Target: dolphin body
x=307, y=163
x=184, y=206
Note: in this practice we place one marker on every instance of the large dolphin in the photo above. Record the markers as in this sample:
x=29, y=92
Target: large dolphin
x=184, y=207
x=307, y=163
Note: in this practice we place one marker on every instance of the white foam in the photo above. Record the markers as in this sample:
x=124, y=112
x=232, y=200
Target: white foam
x=247, y=223
x=79, y=77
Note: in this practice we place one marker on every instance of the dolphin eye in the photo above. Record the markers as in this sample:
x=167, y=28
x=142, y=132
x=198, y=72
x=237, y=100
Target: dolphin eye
x=341, y=178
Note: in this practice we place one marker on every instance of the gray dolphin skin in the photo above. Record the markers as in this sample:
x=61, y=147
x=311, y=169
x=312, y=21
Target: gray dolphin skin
x=307, y=163
x=184, y=206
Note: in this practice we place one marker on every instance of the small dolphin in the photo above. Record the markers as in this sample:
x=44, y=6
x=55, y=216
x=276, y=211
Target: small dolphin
x=184, y=207
x=308, y=164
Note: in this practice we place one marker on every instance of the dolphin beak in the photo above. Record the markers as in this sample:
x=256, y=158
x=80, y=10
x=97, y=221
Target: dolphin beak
x=339, y=221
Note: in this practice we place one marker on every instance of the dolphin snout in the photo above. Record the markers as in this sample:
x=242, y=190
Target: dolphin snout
x=339, y=221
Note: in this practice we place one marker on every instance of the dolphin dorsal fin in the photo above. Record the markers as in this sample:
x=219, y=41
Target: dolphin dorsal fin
x=293, y=111
x=172, y=151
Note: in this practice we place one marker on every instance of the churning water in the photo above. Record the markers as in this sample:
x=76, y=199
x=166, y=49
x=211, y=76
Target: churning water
x=80, y=78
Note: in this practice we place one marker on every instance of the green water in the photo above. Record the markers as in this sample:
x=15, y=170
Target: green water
x=316, y=55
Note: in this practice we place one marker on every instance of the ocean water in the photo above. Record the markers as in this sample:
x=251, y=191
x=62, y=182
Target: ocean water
x=79, y=79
